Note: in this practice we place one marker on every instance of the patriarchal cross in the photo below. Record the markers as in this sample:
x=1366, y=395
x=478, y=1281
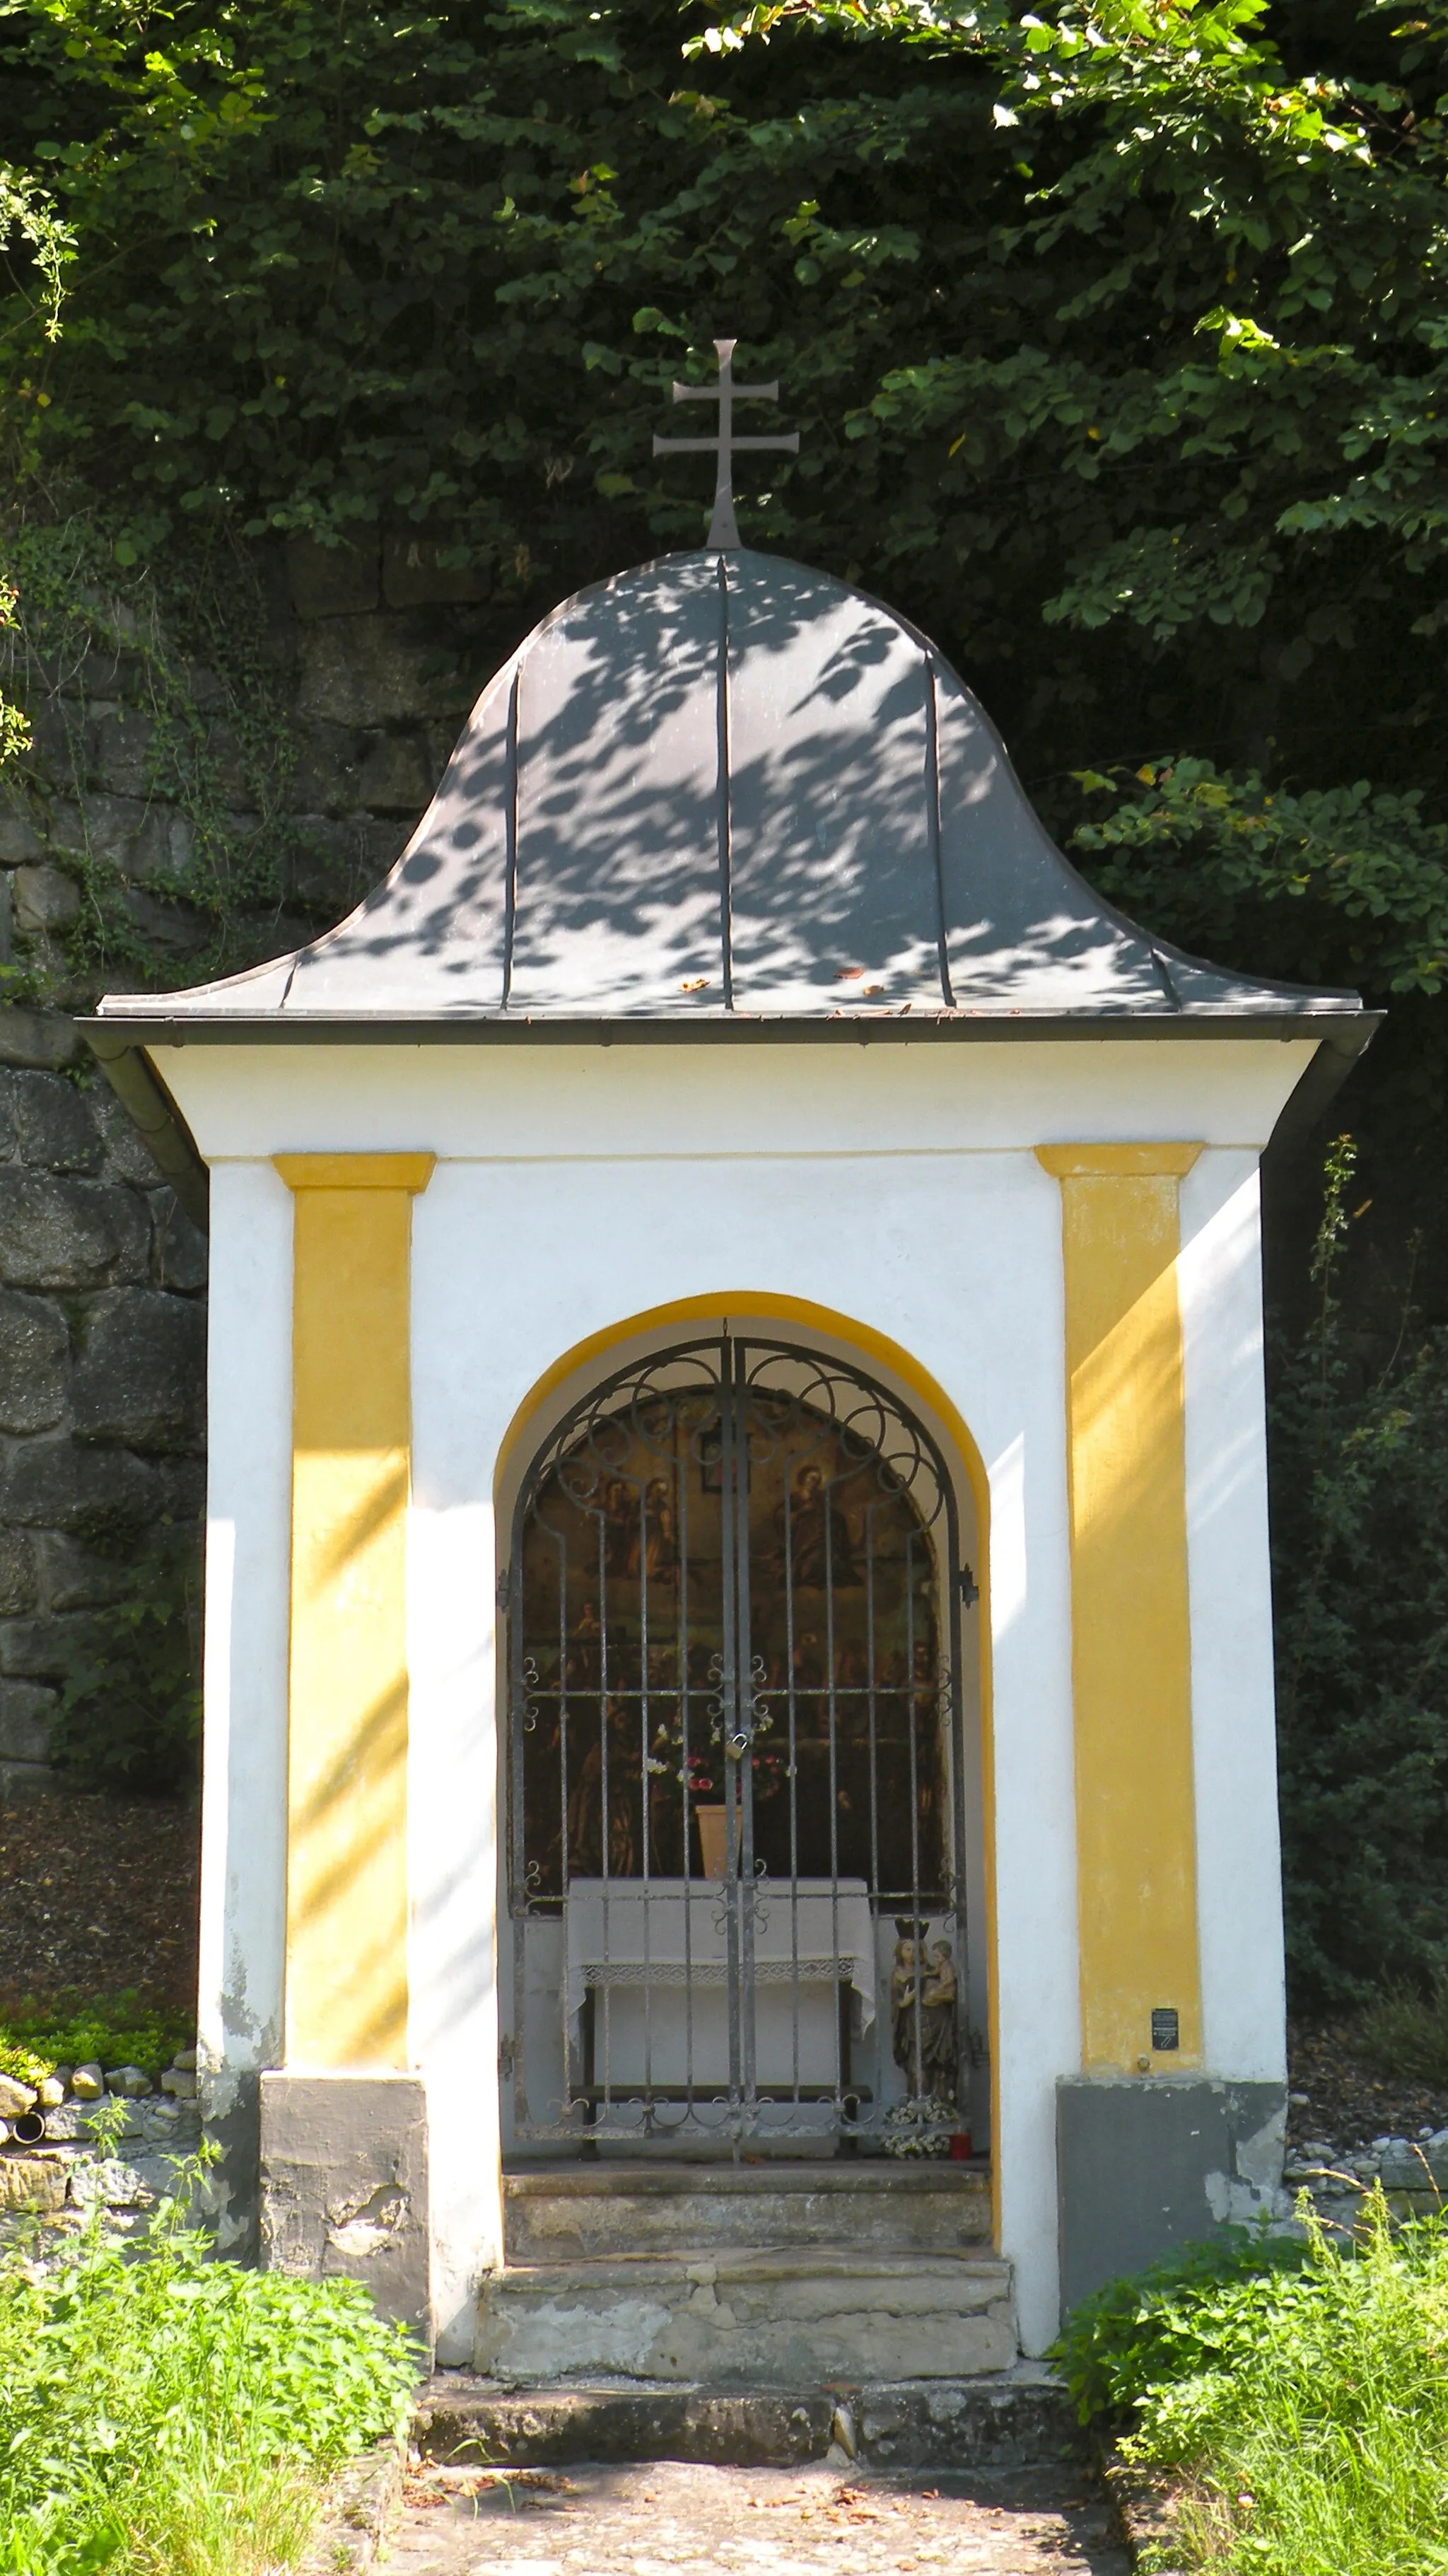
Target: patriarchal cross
x=724, y=527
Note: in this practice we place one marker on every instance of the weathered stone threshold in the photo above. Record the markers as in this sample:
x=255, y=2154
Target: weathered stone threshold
x=1006, y=2419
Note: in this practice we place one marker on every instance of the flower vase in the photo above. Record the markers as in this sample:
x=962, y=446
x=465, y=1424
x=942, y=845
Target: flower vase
x=713, y=1825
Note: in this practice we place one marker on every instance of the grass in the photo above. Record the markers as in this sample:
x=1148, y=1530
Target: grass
x=1296, y=2397
x=1404, y=2032
x=165, y=2414
x=78, y=2030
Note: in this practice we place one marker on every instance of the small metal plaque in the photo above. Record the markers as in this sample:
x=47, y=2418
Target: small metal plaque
x=1165, y=2027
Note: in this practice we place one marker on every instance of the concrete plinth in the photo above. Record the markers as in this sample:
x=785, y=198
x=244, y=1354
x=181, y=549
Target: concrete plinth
x=344, y=2186
x=1145, y=2164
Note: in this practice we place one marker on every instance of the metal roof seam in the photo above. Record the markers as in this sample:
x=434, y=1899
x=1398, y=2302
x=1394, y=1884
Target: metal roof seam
x=724, y=818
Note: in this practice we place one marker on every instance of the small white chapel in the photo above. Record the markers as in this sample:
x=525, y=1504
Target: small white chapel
x=740, y=1826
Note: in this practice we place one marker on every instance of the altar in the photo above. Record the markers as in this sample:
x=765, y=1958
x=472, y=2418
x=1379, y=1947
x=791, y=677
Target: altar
x=650, y=1966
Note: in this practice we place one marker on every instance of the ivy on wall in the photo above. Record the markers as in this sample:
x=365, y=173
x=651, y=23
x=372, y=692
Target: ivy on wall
x=1113, y=331
x=159, y=681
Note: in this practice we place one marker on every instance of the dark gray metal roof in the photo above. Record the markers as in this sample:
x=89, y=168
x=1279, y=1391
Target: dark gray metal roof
x=724, y=791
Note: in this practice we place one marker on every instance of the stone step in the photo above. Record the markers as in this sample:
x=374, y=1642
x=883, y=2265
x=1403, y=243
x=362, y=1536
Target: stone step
x=568, y=2213
x=767, y=2315
x=1017, y=2418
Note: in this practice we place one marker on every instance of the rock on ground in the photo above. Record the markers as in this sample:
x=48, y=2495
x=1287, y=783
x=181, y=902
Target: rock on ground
x=1337, y=2095
x=690, y=2521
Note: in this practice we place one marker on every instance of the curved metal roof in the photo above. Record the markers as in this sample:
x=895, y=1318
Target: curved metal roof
x=722, y=790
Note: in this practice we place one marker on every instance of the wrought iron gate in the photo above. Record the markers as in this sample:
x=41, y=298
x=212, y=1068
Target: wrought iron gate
x=734, y=1597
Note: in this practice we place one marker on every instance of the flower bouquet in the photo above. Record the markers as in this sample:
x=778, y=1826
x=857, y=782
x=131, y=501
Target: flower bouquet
x=709, y=1778
x=923, y=2126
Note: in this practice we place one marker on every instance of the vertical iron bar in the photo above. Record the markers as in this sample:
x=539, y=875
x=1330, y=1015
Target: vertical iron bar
x=644, y=1782
x=871, y=1717
x=910, y=1699
x=564, y=1854
x=829, y=1487
x=517, y=1843
x=872, y=1721
x=793, y=1769
x=954, y=1626
x=728, y=1704
x=605, y=1836
x=684, y=1712
x=748, y=1898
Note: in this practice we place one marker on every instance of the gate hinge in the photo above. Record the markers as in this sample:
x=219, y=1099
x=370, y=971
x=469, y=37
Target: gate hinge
x=505, y=1589
x=969, y=1588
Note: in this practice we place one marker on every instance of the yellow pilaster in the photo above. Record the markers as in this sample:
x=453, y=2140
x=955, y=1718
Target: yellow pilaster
x=346, y=1969
x=1131, y=1634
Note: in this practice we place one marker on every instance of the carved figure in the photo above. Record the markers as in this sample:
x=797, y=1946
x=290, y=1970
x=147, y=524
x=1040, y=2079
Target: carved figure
x=906, y=2030
x=940, y=2046
x=923, y=2035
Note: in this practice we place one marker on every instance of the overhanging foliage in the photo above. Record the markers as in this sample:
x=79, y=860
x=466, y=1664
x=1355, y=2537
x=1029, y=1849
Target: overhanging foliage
x=1116, y=334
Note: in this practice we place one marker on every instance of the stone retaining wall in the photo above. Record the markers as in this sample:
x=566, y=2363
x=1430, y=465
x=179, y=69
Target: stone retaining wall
x=64, y=2174
x=102, y=1369
x=1413, y=2174
x=102, y=1275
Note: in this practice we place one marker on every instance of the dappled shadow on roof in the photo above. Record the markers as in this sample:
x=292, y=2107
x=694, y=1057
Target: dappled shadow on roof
x=725, y=783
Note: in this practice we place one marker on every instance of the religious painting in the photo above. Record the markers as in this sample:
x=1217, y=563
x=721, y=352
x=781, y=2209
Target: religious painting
x=775, y=1650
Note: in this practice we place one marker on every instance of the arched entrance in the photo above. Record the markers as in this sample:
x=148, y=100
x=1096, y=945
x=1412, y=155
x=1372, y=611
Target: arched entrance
x=736, y=1781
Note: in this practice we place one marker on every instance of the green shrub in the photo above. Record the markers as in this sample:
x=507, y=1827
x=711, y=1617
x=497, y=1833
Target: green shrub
x=78, y=2030
x=1403, y=2032
x=1298, y=2401
x=1163, y=2324
x=1360, y=1584
x=169, y=2415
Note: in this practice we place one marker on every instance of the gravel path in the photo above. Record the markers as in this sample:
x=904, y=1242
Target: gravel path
x=670, y=2520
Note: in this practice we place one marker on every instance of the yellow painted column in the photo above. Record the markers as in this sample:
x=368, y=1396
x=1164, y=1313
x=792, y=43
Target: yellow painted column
x=1130, y=1620
x=346, y=1965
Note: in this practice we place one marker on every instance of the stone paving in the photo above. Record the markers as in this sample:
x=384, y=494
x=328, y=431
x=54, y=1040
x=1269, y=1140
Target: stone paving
x=668, y=2519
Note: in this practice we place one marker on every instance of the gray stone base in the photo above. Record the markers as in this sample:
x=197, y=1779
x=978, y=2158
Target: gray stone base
x=230, y=2105
x=25, y=1779
x=344, y=2186
x=1145, y=2163
x=1012, y=2419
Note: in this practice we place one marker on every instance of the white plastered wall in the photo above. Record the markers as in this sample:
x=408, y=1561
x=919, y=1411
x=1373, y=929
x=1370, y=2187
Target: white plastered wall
x=894, y=1186
x=248, y=1518
x=1234, y=1740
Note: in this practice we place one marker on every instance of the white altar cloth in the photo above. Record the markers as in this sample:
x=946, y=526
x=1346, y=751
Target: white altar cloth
x=620, y=1933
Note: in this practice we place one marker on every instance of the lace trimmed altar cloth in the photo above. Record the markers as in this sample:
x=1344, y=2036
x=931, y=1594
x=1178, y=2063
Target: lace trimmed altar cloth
x=621, y=1932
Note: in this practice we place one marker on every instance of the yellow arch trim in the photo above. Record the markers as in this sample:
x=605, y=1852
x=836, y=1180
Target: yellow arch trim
x=870, y=1344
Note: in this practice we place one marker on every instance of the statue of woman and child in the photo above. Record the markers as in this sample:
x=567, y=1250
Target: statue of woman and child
x=923, y=2030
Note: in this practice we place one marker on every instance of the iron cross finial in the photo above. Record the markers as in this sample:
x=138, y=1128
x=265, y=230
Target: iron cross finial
x=723, y=527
